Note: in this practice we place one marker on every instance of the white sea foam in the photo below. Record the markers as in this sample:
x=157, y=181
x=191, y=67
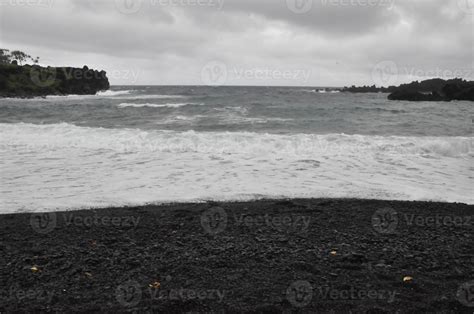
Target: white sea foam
x=169, y=105
x=62, y=166
x=111, y=93
x=135, y=96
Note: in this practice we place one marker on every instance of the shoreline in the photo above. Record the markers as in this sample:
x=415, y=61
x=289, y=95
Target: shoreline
x=226, y=201
x=246, y=256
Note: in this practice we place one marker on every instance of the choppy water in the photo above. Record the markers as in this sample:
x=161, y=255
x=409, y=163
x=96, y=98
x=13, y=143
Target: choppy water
x=136, y=145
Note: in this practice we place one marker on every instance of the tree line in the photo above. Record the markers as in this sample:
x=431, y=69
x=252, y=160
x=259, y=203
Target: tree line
x=16, y=57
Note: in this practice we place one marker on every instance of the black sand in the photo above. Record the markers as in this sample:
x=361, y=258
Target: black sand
x=304, y=256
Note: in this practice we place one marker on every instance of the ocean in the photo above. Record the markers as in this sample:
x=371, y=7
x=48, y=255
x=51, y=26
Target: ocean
x=136, y=145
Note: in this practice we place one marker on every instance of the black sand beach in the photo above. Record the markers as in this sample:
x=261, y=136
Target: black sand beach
x=321, y=255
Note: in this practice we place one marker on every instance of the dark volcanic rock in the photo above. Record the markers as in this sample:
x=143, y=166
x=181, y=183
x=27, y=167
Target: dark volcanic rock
x=369, y=89
x=428, y=90
x=415, y=96
x=32, y=81
x=435, y=90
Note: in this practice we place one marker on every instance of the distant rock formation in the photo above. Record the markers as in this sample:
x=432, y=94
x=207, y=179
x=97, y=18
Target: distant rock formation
x=435, y=90
x=428, y=90
x=369, y=89
x=33, y=80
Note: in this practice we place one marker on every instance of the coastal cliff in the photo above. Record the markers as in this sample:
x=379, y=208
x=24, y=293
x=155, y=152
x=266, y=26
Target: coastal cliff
x=428, y=90
x=33, y=80
x=435, y=90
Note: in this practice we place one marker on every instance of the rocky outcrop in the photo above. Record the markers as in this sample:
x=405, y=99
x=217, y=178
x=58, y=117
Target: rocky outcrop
x=368, y=89
x=34, y=80
x=428, y=90
x=415, y=96
x=435, y=90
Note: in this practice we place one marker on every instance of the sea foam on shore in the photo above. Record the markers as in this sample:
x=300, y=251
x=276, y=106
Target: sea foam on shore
x=62, y=166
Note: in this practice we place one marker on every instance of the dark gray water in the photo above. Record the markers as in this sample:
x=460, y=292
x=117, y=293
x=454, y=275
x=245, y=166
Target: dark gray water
x=281, y=110
x=145, y=144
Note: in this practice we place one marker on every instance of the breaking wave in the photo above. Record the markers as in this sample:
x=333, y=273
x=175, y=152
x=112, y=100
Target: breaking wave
x=170, y=105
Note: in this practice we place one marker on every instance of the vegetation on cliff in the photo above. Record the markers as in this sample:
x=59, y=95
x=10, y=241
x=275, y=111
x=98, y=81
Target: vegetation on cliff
x=428, y=90
x=34, y=80
x=435, y=90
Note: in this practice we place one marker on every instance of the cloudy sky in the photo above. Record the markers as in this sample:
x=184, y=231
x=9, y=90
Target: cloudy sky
x=248, y=42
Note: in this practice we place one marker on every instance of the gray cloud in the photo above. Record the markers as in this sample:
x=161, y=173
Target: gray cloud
x=338, y=42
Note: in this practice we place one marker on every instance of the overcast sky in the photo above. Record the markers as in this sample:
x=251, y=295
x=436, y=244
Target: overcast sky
x=248, y=42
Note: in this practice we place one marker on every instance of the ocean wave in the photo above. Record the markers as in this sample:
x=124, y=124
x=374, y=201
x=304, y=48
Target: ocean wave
x=135, y=96
x=321, y=91
x=111, y=93
x=168, y=105
x=64, y=134
x=63, y=166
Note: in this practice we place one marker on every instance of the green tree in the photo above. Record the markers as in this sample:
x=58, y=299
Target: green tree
x=19, y=56
x=5, y=57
